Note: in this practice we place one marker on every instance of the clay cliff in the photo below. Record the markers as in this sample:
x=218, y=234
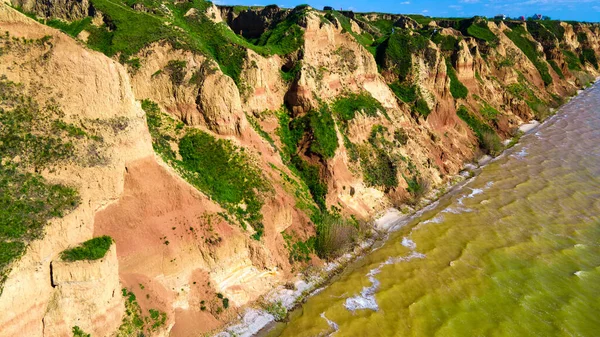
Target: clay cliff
x=227, y=149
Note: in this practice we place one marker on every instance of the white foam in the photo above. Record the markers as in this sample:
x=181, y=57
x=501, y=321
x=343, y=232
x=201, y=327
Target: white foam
x=457, y=210
x=408, y=243
x=521, y=153
x=437, y=219
x=366, y=298
x=331, y=324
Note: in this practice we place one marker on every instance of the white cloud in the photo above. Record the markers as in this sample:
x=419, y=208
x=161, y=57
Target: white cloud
x=405, y=3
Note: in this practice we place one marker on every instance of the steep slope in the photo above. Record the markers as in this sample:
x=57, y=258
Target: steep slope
x=233, y=146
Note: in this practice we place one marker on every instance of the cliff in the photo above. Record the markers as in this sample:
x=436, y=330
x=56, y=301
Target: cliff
x=225, y=149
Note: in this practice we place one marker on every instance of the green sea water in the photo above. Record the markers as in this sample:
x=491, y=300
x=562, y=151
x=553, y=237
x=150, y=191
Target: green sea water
x=515, y=252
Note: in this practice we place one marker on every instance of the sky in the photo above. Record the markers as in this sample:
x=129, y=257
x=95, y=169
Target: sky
x=580, y=10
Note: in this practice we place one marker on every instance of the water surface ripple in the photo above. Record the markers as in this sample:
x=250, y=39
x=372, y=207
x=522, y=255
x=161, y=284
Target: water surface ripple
x=514, y=253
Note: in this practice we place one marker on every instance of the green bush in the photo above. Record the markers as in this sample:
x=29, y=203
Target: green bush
x=325, y=141
x=407, y=93
x=395, y=53
x=573, y=61
x=528, y=47
x=446, y=42
x=299, y=251
x=556, y=69
x=92, y=249
x=77, y=332
x=334, y=235
x=457, y=89
x=224, y=172
x=589, y=55
x=422, y=108
x=277, y=310
x=488, y=139
x=346, y=107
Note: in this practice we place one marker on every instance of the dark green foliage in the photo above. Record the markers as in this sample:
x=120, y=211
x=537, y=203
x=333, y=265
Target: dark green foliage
x=481, y=31
x=225, y=303
x=224, y=171
x=407, y=93
x=291, y=75
x=540, y=33
x=446, y=42
x=364, y=39
x=346, y=107
x=285, y=37
x=572, y=60
x=556, y=69
x=528, y=47
x=457, y=89
x=77, y=332
x=554, y=27
x=290, y=133
x=378, y=167
x=589, y=55
x=325, y=140
x=395, y=53
x=299, y=251
x=488, y=139
x=582, y=37
x=422, y=108
x=176, y=71
x=92, y=249
x=159, y=318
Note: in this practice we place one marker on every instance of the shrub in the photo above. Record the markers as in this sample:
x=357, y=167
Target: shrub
x=277, y=310
x=77, y=332
x=346, y=107
x=325, y=141
x=488, y=139
x=395, y=53
x=446, y=42
x=334, y=235
x=407, y=93
x=224, y=172
x=92, y=249
x=589, y=55
x=457, y=89
x=572, y=60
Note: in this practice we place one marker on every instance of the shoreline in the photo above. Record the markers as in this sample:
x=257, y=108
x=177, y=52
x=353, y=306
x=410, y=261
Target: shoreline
x=257, y=321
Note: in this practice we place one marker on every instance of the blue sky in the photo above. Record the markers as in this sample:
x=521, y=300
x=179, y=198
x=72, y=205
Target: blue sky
x=581, y=10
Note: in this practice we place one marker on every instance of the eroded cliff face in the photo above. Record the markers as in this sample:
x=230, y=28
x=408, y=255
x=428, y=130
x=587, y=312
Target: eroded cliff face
x=324, y=114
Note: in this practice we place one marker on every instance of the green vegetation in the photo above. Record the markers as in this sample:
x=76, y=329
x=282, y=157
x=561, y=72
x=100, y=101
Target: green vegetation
x=488, y=139
x=92, y=249
x=446, y=42
x=214, y=166
x=523, y=91
x=407, y=93
x=32, y=138
x=364, y=38
x=556, y=69
x=395, y=53
x=77, y=332
x=224, y=172
x=158, y=318
x=325, y=140
x=277, y=310
x=71, y=28
x=589, y=55
x=346, y=107
x=481, y=31
x=573, y=61
x=487, y=111
x=528, y=47
x=299, y=251
x=377, y=166
x=554, y=27
x=457, y=89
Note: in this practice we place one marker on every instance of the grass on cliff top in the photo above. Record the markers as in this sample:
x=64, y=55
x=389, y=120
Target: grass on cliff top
x=518, y=36
x=481, y=31
x=214, y=166
x=29, y=141
x=93, y=249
